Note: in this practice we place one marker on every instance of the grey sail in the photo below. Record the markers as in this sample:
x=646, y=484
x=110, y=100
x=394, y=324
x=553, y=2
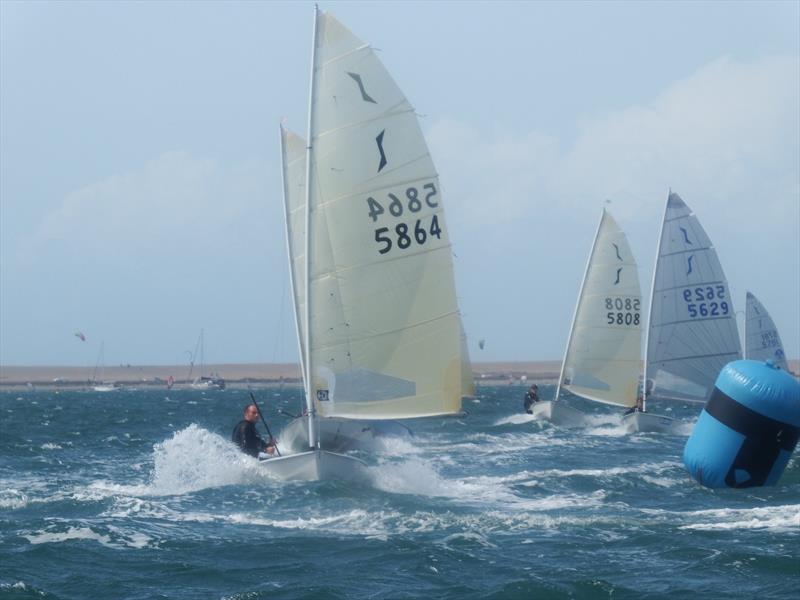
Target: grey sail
x=692, y=329
x=762, y=341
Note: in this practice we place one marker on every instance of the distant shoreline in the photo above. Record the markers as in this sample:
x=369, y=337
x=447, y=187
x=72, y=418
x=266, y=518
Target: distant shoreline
x=235, y=375
x=242, y=376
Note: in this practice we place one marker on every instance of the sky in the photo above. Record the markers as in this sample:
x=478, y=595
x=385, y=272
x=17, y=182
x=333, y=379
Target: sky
x=140, y=185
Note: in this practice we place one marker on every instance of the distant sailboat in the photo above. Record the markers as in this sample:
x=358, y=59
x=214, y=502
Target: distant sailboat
x=603, y=354
x=371, y=264
x=692, y=330
x=102, y=385
x=761, y=338
x=203, y=382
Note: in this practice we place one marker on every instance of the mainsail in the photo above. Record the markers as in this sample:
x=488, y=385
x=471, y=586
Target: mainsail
x=692, y=329
x=467, y=380
x=384, y=335
x=603, y=357
x=293, y=161
x=761, y=339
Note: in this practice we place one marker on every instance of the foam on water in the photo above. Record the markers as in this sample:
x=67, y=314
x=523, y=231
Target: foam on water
x=192, y=459
x=120, y=539
x=516, y=419
x=13, y=499
x=785, y=517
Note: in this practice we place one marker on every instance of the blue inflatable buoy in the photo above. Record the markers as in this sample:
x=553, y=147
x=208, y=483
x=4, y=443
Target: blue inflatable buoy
x=748, y=428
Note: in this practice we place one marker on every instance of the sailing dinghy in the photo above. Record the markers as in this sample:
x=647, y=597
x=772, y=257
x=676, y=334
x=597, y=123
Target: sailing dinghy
x=691, y=331
x=603, y=354
x=761, y=338
x=371, y=265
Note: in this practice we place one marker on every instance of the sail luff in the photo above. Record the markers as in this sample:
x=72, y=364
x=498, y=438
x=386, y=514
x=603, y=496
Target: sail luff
x=290, y=253
x=650, y=308
x=578, y=304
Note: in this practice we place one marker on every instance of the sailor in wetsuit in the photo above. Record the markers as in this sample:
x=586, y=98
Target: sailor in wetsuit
x=531, y=397
x=246, y=437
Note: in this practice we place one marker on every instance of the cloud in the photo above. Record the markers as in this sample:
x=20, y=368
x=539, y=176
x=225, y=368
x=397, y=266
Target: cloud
x=522, y=206
x=173, y=200
x=727, y=133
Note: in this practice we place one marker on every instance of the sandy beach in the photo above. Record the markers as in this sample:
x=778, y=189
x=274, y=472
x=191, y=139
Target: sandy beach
x=244, y=375
x=235, y=374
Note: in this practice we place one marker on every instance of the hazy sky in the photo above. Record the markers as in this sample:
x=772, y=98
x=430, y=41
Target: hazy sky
x=140, y=191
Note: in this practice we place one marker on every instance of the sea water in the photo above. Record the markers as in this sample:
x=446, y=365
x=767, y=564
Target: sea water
x=139, y=494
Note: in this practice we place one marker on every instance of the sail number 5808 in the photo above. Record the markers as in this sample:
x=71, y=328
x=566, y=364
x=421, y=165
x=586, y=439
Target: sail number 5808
x=623, y=311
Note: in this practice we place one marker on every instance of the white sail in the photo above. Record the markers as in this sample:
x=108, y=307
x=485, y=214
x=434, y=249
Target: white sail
x=384, y=323
x=293, y=161
x=603, y=357
x=692, y=330
x=467, y=380
x=762, y=341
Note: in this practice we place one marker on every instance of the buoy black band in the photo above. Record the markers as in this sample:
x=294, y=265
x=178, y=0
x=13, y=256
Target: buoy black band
x=764, y=438
x=748, y=422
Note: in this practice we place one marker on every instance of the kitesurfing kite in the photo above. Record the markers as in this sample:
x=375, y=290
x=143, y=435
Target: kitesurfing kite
x=82, y=337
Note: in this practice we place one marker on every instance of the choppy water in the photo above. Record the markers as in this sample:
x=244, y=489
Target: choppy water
x=138, y=494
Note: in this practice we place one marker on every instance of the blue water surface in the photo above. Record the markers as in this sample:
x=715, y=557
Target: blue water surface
x=139, y=494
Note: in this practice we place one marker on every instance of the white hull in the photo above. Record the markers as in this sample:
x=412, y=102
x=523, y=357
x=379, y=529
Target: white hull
x=649, y=423
x=316, y=465
x=558, y=413
x=104, y=388
x=341, y=435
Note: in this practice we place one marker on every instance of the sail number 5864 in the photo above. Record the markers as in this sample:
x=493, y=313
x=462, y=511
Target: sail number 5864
x=413, y=202
x=404, y=236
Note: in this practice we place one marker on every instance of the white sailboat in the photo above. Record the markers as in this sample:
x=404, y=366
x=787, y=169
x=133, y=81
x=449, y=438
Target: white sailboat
x=203, y=382
x=692, y=331
x=761, y=338
x=102, y=385
x=603, y=354
x=371, y=264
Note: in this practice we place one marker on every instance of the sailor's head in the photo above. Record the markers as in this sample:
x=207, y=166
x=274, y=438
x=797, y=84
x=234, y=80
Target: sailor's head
x=534, y=387
x=251, y=413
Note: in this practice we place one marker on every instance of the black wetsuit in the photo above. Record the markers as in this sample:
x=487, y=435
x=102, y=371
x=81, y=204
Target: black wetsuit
x=245, y=436
x=530, y=398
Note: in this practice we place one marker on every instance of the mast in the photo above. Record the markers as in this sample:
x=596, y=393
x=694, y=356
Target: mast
x=578, y=303
x=650, y=308
x=286, y=217
x=313, y=441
